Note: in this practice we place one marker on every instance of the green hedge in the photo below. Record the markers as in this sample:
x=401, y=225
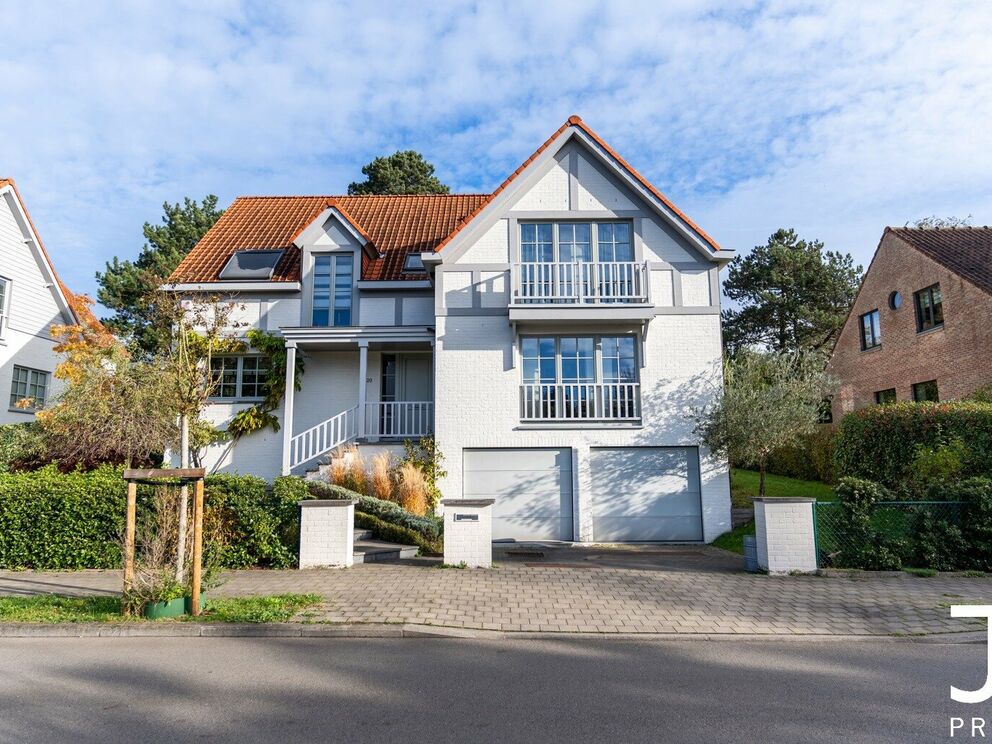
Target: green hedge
x=879, y=443
x=53, y=520
x=20, y=445
x=812, y=458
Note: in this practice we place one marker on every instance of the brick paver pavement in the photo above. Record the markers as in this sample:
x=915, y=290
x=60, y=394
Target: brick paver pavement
x=678, y=591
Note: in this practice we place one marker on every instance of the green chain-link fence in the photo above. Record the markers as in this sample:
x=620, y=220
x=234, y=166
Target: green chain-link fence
x=893, y=533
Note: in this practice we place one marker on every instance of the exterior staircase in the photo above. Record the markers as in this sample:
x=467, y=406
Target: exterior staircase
x=368, y=550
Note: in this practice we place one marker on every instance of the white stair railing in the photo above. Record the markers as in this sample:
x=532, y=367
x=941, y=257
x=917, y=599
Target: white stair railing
x=399, y=419
x=323, y=437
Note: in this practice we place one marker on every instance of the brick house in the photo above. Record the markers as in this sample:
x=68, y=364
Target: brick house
x=552, y=336
x=921, y=325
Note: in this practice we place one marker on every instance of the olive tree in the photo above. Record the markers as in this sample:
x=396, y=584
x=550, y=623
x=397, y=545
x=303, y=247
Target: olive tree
x=769, y=400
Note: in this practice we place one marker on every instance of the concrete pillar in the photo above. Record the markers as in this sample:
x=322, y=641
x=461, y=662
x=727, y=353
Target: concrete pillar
x=468, y=532
x=785, y=536
x=327, y=532
x=287, y=410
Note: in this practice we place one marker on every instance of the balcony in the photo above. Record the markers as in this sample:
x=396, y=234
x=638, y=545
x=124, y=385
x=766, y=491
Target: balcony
x=594, y=291
x=399, y=419
x=580, y=402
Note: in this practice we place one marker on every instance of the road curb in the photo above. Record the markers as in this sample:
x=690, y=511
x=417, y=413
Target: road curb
x=329, y=630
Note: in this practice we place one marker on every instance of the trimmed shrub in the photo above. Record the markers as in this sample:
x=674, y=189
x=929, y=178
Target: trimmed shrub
x=811, y=459
x=252, y=520
x=880, y=443
x=429, y=527
x=53, y=520
x=976, y=524
x=864, y=546
x=394, y=533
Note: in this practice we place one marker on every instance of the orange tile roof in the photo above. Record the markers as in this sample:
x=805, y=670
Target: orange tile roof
x=78, y=304
x=395, y=225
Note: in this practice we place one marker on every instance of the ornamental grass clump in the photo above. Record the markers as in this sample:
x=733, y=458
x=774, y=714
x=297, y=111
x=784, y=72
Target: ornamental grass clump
x=411, y=489
x=380, y=481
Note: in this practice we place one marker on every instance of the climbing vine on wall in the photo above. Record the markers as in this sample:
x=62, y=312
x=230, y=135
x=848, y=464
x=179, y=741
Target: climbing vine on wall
x=260, y=415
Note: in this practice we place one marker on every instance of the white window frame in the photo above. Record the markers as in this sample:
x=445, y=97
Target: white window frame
x=593, y=238
x=46, y=377
x=597, y=341
x=5, y=292
x=238, y=379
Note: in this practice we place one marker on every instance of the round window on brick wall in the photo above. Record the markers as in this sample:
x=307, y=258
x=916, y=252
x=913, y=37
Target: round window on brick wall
x=895, y=300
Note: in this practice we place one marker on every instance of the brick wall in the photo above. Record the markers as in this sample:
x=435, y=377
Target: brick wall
x=958, y=356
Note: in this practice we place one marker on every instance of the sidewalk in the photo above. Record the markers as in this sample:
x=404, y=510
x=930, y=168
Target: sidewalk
x=687, y=590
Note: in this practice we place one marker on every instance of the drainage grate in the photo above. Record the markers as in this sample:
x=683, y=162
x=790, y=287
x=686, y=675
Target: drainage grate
x=525, y=553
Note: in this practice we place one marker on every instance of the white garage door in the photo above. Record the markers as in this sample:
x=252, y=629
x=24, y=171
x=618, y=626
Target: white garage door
x=646, y=493
x=532, y=489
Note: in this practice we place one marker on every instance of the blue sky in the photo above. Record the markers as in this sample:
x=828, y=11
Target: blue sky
x=836, y=118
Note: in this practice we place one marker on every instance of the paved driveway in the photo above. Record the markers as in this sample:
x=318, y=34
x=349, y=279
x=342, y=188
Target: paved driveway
x=679, y=590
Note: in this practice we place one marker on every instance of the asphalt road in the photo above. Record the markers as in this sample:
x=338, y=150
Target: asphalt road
x=429, y=690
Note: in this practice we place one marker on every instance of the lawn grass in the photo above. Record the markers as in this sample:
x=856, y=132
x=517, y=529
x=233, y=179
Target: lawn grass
x=52, y=608
x=734, y=540
x=744, y=487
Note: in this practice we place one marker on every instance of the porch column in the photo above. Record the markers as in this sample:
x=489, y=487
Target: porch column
x=363, y=370
x=287, y=411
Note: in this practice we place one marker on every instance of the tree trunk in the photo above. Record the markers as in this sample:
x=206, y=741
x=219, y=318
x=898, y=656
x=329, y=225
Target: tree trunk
x=183, y=499
x=761, y=478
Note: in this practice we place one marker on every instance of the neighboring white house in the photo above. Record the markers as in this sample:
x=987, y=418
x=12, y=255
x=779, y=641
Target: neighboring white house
x=553, y=337
x=32, y=299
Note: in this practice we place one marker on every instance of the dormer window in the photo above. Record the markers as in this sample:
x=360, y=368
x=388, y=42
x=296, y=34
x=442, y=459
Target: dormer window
x=413, y=263
x=332, y=289
x=251, y=265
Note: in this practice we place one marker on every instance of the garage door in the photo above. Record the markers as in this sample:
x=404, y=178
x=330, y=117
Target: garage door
x=532, y=489
x=646, y=493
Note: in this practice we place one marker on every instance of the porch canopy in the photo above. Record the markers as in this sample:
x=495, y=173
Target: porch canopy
x=353, y=423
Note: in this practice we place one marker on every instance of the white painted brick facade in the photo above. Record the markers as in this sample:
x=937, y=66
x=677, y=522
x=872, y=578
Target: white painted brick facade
x=327, y=533
x=784, y=535
x=468, y=533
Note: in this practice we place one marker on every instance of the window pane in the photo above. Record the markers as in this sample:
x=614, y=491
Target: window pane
x=611, y=370
x=568, y=345
x=569, y=369
x=531, y=371
x=547, y=347
x=625, y=345
x=530, y=347
x=547, y=370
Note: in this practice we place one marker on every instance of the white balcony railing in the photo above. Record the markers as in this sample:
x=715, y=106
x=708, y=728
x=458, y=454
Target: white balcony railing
x=580, y=282
x=580, y=401
x=399, y=419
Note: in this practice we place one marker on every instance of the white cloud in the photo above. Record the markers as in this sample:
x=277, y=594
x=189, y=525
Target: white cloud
x=835, y=118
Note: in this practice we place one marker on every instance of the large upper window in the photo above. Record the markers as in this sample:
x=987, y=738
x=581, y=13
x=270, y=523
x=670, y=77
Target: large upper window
x=28, y=388
x=566, y=242
x=239, y=377
x=251, y=265
x=332, y=289
x=929, y=308
x=4, y=302
x=871, y=331
x=579, y=359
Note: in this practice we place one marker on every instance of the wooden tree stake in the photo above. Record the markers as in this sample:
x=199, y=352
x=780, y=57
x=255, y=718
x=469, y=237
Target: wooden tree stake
x=132, y=498
x=197, y=544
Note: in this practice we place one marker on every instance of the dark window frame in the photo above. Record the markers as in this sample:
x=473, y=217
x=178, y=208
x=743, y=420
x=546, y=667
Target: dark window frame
x=329, y=293
x=917, y=387
x=874, y=330
x=879, y=401
x=263, y=274
x=929, y=305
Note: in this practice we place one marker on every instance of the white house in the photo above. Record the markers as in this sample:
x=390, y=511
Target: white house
x=552, y=336
x=32, y=299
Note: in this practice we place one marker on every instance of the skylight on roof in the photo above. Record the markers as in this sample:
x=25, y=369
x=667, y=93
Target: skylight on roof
x=251, y=265
x=413, y=262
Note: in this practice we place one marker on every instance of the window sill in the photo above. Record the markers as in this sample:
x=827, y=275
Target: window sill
x=28, y=411
x=577, y=425
x=926, y=331
x=235, y=401
x=876, y=347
